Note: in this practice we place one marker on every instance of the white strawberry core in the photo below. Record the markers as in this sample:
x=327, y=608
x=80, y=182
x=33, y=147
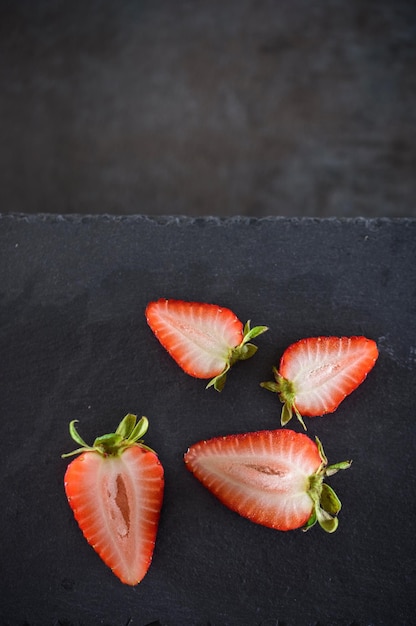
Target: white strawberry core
x=117, y=503
x=206, y=349
x=260, y=490
x=275, y=477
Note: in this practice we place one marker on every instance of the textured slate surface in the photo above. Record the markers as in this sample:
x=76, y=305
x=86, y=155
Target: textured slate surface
x=74, y=343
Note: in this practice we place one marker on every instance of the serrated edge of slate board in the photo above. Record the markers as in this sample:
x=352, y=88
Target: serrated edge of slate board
x=165, y=220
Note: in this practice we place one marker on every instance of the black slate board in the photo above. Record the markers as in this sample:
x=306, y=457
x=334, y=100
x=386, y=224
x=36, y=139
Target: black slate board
x=75, y=344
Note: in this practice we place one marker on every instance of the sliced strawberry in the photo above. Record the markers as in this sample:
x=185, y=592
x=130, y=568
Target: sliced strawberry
x=205, y=340
x=317, y=373
x=272, y=477
x=115, y=489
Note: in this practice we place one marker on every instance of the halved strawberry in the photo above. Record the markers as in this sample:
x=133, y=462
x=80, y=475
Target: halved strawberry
x=317, y=373
x=205, y=340
x=272, y=477
x=115, y=489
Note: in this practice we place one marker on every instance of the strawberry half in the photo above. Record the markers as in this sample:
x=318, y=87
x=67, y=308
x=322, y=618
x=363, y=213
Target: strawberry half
x=317, y=373
x=272, y=477
x=115, y=489
x=205, y=340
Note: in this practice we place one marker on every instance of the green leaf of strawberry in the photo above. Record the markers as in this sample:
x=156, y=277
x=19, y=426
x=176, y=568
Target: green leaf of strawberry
x=205, y=340
x=329, y=500
x=273, y=478
x=317, y=373
x=115, y=490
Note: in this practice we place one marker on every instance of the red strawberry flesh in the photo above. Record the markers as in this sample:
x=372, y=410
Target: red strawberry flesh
x=324, y=370
x=205, y=340
x=263, y=476
x=317, y=373
x=115, y=490
x=197, y=335
x=116, y=502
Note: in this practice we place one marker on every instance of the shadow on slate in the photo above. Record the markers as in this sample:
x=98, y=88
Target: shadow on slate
x=75, y=345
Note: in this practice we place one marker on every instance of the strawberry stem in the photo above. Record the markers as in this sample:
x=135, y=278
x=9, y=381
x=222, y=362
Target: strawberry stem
x=329, y=500
x=129, y=433
x=126, y=426
x=321, y=451
x=242, y=352
x=287, y=394
x=326, y=504
x=78, y=439
x=219, y=381
x=298, y=415
x=252, y=333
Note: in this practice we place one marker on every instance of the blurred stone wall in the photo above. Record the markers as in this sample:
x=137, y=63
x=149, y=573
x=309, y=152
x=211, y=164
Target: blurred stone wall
x=249, y=107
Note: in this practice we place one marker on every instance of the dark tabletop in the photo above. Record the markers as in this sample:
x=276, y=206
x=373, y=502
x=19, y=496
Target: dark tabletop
x=223, y=107
x=74, y=344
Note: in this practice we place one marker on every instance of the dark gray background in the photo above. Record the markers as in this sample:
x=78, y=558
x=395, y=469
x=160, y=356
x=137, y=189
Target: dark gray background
x=225, y=107
x=74, y=344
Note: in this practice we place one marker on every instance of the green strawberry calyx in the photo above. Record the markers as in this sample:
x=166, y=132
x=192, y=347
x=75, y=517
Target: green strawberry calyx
x=129, y=433
x=245, y=350
x=326, y=504
x=287, y=394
